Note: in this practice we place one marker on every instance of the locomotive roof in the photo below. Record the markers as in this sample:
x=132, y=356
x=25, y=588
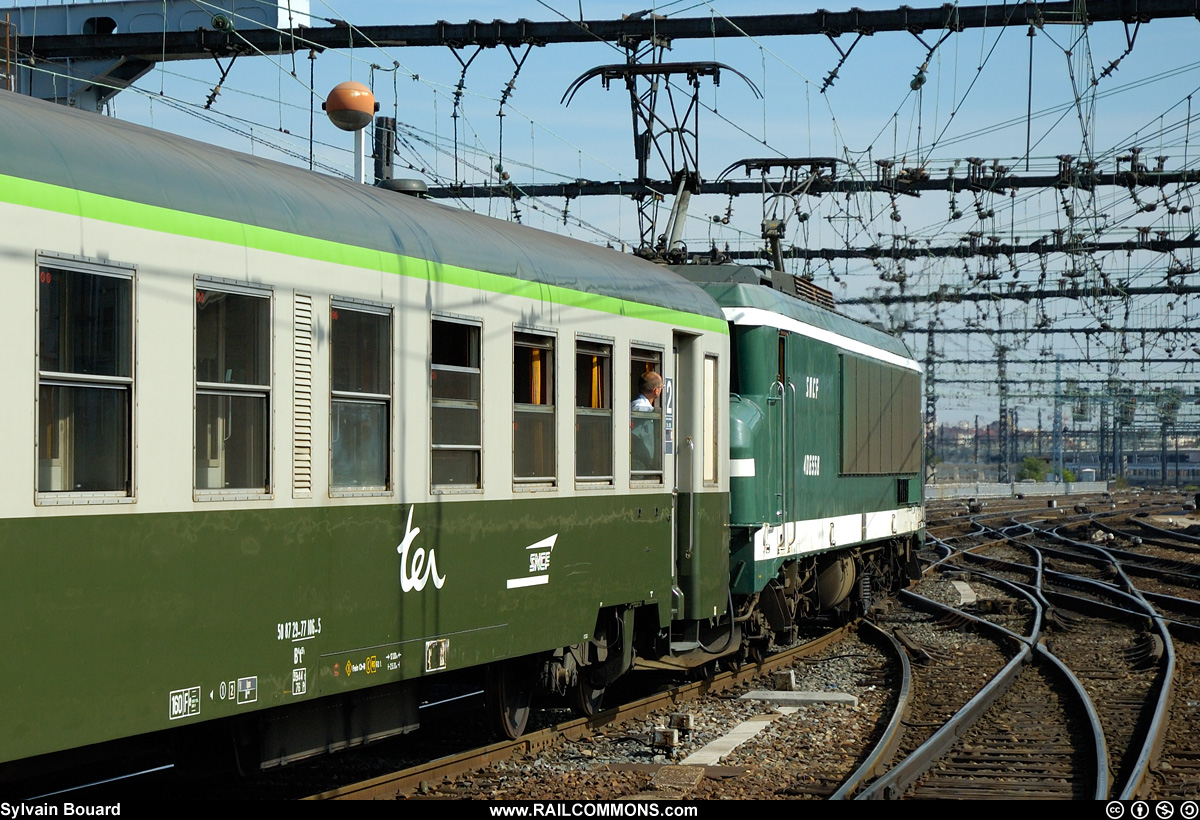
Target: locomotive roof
x=767, y=300
x=144, y=177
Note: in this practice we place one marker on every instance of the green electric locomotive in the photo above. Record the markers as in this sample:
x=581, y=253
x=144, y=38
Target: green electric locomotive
x=825, y=448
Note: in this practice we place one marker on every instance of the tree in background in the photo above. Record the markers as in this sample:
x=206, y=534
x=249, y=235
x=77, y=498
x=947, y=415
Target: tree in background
x=1032, y=467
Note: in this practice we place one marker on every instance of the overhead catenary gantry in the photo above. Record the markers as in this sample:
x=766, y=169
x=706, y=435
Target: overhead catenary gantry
x=798, y=177
x=1093, y=360
x=151, y=31
x=1074, y=331
x=114, y=44
x=201, y=43
x=1029, y=383
x=824, y=178
x=970, y=246
x=1017, y=292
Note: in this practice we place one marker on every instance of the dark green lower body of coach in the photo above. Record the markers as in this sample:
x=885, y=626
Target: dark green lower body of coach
x=119, y=624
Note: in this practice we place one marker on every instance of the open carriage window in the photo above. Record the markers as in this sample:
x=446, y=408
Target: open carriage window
x=646, y=416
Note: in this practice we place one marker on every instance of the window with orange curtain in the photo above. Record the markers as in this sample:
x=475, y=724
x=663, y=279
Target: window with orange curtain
x=533, y=409
x=593, y=413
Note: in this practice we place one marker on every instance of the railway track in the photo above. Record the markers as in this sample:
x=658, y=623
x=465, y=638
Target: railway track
x=996, y=744
x=1176, y=773
x=948, y=660
x=1031, y=744
x=1121, y=666
x=1110, y=648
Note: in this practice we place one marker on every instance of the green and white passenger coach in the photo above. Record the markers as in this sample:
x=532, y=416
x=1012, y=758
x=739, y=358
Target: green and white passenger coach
x=282, y=450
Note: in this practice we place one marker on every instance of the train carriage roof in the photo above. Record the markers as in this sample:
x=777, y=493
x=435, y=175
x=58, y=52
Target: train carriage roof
x=295, y=211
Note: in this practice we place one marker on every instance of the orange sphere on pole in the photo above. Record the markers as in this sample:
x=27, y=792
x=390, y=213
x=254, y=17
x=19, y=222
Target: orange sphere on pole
x=350, y=106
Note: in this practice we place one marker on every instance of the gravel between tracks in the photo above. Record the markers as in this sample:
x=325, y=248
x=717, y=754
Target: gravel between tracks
x=804, y=753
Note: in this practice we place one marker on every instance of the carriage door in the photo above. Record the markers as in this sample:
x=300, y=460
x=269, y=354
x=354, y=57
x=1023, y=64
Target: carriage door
x=781, y=409
x=681, y=436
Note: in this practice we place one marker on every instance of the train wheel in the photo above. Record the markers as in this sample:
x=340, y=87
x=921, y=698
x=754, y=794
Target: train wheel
x=586, y=699
x=508, y=693
x=733, y=661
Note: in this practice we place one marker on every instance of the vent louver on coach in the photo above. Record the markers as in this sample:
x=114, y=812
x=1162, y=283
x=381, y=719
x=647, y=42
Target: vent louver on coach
x=302, y=396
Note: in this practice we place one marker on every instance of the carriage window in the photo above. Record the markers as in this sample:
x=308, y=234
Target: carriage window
x=457, y=433
x=533, y=409
x=646, y=418
x=233, y=389
x=593, y=413
x=361, y=361
x=85, y=382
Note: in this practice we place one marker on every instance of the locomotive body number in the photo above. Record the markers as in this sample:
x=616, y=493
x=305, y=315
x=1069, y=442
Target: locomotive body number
x=812, y=465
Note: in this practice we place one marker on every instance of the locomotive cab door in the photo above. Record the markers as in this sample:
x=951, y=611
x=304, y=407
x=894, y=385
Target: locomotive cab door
x=781, y=401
